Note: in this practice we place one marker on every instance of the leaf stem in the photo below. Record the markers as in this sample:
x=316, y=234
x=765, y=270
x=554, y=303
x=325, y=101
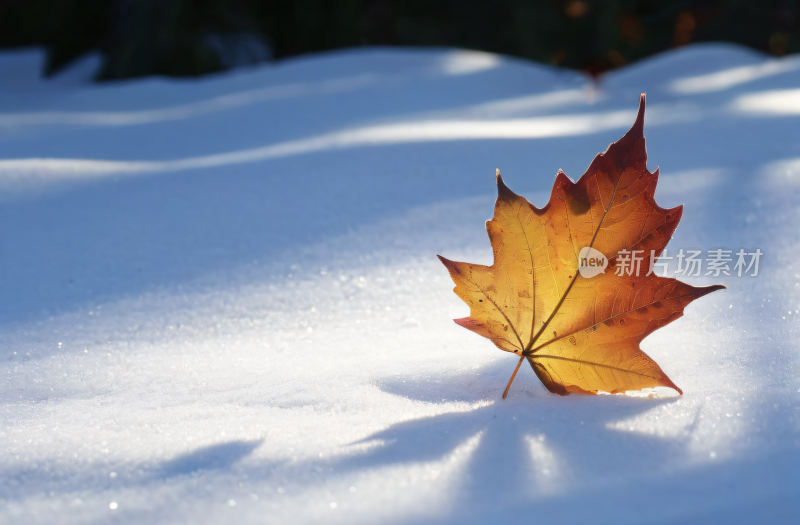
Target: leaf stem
x=521, y=359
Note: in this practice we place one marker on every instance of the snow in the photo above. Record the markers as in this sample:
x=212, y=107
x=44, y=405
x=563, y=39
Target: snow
x=220, y=301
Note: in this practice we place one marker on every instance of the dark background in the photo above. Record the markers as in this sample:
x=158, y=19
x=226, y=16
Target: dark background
x=195, y=37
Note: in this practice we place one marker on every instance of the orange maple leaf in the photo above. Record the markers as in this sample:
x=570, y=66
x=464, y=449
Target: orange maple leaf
x=580, y=334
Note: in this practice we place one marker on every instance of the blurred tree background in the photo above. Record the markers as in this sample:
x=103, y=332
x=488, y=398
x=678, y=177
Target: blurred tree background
x=195, y=37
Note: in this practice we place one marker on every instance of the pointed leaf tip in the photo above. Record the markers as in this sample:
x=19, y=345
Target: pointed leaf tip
x=503, y=191
x=639, y=123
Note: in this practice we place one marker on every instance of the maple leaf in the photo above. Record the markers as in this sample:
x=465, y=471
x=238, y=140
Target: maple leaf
x=579, y=334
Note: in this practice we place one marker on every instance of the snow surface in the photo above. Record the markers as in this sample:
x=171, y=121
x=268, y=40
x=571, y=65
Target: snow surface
x=220, y=301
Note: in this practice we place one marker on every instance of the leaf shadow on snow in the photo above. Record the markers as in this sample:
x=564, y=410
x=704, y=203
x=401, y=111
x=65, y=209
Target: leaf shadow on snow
x=574, y=427
x=530, y=444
